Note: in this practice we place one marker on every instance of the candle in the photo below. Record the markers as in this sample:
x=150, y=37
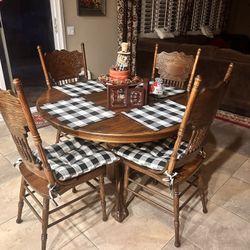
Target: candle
x=124, y=47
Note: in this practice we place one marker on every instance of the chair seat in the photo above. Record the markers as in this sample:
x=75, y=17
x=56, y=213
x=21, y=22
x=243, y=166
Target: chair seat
x=154, y=155
x=74, y=157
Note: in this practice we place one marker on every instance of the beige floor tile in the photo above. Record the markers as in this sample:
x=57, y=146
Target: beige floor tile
x=27, y=235
x=80, y=242
x=12, y=157
x=238, y=140
x=223, y=160
x=216, y=230
x=146, y=227
x=9, y=192
x=214, y=181
x=8, y=171
x=3, y=129
x=185, y=245
x=92, y=214
x=219, y=166
x=7, y=145
x=48, y=134
x=243, y=173
x=245, y=150
x=234, y=196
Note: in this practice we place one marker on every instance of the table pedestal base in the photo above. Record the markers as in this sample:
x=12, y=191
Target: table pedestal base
x=119, y=211
x=119, y=214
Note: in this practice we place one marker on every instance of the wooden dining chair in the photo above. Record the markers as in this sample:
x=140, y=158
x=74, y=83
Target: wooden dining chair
x=176, y=69
x=174, y=161
x=62, y=67
x=53, y=170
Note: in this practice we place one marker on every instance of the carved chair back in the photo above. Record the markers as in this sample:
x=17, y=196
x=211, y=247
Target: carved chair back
x=61, y=67
x=19, y=120
x=200, y=111
x=175, y=68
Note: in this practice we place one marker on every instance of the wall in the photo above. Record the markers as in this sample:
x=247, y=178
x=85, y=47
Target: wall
x=239, y=19
x=99, y=34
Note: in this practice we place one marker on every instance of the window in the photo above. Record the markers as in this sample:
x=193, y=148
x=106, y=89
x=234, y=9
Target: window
x=182, y=16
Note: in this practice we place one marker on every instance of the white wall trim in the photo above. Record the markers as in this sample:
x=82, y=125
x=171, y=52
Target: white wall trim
x=58, y=24
x=2, y=79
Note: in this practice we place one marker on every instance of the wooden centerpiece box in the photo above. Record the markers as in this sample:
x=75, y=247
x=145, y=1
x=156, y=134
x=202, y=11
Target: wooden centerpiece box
x=128, y=93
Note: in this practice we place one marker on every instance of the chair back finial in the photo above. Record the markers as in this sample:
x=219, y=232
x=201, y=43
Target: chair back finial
x=228, y=74
x=45, y=72
x=193, y=70
x=84, y=61
x=154, y=62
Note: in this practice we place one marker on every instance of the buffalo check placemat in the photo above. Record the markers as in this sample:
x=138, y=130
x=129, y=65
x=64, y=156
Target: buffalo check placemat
x=77, y=112
x=81, y=88
x=158, y=116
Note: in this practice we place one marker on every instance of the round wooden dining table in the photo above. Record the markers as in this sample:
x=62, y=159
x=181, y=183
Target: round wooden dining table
x=119, y=129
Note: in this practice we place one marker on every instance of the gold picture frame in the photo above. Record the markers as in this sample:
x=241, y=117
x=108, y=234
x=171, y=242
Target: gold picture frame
x=91, y=7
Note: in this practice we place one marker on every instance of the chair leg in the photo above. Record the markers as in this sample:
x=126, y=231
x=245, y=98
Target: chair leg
x=125, y=191
x=202, y=192
x=58, y=135
x=74, y=190
x=176, y=214
x=102, y=196
x=45, y=220
x=20, y=203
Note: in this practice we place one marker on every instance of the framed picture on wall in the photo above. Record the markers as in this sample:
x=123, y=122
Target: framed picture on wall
x=91, y=7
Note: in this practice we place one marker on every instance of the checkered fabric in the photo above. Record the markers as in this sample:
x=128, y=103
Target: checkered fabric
x=158, y=116
x=81, y=88
x=154, y=155
x=77, y=112
x=74, y=157
x=171, y=91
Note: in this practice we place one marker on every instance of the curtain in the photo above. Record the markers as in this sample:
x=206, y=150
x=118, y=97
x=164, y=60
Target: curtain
x=128, y=14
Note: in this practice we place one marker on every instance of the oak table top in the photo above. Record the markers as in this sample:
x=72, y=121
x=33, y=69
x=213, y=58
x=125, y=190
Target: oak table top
x=118, y=129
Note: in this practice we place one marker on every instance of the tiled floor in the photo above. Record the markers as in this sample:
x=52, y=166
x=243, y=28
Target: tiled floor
x=225, y=226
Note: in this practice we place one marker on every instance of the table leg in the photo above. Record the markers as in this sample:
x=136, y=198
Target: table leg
x=119, y=211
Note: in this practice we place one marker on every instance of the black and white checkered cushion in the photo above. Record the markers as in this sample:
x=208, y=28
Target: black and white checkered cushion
x=81, y=88
x=74, y=157
x=158, y=116
x=171, y=91
x=77, y=112
x=154, y=155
